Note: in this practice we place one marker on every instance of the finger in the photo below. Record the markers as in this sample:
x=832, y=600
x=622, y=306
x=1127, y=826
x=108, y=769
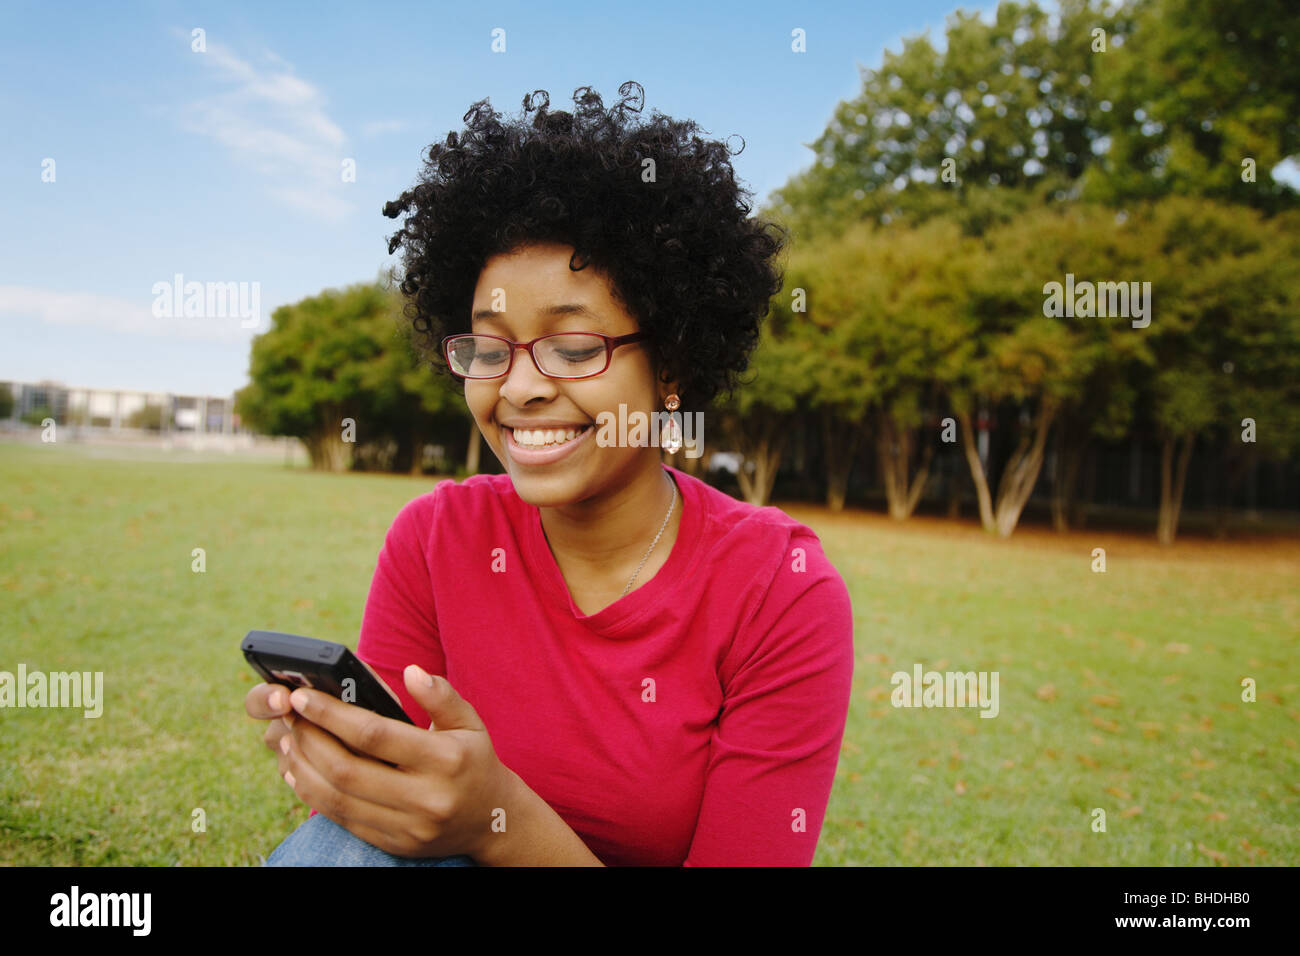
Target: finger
x=314, y=789
x=275, y=729
x=265, y=701
x=366, y=732
x=441, y=700
x=357, y=775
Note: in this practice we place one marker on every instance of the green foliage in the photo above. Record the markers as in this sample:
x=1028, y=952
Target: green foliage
x=1201, y=86
x=1002, y=120
x=6, y=401
x=1225, y=330
x=345, y=354
x=1094, y=140
x=311, y=365
x=150, y=417
x=1030, y=109
x=37, y=415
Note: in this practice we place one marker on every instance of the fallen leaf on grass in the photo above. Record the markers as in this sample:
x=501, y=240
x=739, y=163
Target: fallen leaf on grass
x=1214, y=855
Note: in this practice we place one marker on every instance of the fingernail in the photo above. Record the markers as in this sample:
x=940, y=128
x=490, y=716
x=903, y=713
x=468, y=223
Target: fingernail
x=288, y=778
x=276, y=700
x=284, y=745
x=423, y=675
x=299, y=700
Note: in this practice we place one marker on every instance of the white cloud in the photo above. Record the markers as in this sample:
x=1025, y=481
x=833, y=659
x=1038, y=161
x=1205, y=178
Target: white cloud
x=276, y=123
x=130, y=316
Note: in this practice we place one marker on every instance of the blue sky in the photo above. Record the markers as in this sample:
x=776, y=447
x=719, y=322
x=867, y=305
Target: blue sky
x=225, y=165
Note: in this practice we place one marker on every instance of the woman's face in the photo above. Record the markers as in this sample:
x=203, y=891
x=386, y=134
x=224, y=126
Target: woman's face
x=535, y=293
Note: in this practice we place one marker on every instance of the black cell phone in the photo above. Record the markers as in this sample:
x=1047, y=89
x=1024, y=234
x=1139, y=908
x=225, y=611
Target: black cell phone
x=296, y=661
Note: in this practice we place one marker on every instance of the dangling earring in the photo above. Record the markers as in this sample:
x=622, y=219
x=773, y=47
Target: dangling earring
x=670, y=439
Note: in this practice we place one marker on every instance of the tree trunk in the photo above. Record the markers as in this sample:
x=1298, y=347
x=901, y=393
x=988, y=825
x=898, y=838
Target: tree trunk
x=761, y=439
x=1079, y=506
x=1173, y=479
x=474, y=451
x=894, y=448
x=695, y=467
x=1065, y=477
x=417, y=452
x=1022, y=471
x=976, y=472
x=841, y=441
x=1234, y=471
x=327, y=449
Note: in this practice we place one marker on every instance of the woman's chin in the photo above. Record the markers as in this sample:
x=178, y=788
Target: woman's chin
x=544, y=491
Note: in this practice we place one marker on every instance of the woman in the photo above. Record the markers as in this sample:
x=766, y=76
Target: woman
x=632, y=668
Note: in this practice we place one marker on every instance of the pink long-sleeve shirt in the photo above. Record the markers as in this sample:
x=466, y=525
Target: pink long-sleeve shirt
x=696, y=721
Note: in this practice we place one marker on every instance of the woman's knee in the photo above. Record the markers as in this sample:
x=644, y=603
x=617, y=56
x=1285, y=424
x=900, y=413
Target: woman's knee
x=319, y=841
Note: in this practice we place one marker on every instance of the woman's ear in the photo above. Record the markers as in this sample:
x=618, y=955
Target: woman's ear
x=667, y=385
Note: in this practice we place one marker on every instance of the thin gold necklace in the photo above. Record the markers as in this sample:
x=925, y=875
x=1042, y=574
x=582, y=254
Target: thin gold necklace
x=671, y=505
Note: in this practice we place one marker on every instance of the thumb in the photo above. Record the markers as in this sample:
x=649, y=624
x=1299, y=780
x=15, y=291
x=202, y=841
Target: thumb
x=448, y=709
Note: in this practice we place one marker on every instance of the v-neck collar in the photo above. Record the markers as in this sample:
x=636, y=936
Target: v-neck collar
x=618, y=618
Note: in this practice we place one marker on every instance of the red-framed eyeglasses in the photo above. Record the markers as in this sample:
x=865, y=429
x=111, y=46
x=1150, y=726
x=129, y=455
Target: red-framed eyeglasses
x=566, y=355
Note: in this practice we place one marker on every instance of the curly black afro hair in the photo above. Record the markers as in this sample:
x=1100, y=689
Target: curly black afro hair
x=681, y=254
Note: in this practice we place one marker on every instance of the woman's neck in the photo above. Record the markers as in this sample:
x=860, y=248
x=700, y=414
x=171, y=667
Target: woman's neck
x=600, y=541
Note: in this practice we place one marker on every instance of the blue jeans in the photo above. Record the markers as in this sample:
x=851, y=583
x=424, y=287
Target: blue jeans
x=319, y=841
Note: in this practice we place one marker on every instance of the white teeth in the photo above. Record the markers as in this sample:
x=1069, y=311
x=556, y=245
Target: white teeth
x=538, y=438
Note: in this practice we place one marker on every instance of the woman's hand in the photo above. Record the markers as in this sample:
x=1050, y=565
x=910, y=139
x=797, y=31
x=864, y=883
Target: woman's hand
x=411, y=792
x=270, y=702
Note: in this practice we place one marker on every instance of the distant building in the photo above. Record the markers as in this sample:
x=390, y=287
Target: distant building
x=116, y=409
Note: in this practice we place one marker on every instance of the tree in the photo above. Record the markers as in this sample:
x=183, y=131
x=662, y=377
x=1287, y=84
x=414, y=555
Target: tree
x=1225, y=334
x=1028, y=349
x=149, y=416
x=410, y=403
x=773, y=397
x=1001, y=120
x=1203, y=100
x=6, y=401
x=917, y=295
x=35, y=416
x=325, y=360
x=818, y=306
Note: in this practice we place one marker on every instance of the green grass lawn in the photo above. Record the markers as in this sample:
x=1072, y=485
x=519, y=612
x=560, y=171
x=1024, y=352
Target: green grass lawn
x=1119, y=691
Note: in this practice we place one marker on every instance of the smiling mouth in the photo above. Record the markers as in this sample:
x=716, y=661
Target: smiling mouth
x=541, y=438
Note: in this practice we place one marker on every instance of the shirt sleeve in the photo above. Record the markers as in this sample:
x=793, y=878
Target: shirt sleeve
x=773, y=754
x=399, y=626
